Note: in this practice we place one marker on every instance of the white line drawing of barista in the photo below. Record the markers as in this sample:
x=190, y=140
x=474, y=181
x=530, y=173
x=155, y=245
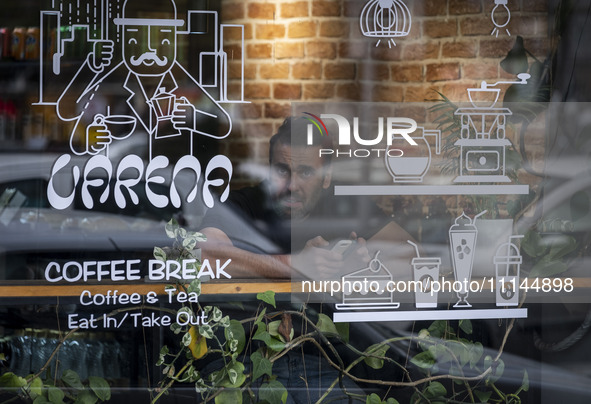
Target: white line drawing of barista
x=148, y=93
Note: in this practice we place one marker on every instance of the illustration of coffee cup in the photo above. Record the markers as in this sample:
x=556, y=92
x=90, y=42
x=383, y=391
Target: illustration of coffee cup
x=119, y=126
x=425, y=274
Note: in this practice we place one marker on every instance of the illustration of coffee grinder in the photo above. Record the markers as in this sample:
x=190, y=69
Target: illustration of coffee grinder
x=482, y=155
x=507, y=267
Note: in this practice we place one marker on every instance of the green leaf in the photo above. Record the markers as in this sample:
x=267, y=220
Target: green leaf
x=238, y=333
x=172, y=228
x=229, y=396
x=262, y=334
x=466, y=326
x=434, y=390
x=71, y=378
x=10, y=380
x=498, y=370
x=561, y=247
x=259, y=318
x=547, y=267
x=197, y=236
x=437, y=328
x=373, y=398
x=194, y=286
x=513, y=207
x=476, y=352
x=392, y=401
x=532, y=244
x=100, y=387
x=460, y=351
x=235, y=375
x=325, y=324
x=273, y=392
x=424, y=360
x=273, y=328
x=189, y=243
x=176, y=328
x=267, y=297
x=483, y=396
x=42, y=400
x=206, y=331
x=36, y=386
x=525, y=382
x=55, y=395
x=260, y=365
x=377, y=350
x=343, y=330
x=159, y=254
x=86, y=397
x=216, y=315
x=186, y=341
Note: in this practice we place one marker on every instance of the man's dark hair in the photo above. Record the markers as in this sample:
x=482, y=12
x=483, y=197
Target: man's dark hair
x=298, y=126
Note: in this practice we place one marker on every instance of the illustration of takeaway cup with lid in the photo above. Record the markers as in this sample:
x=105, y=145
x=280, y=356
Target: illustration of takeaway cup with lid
x=462, y=237
x=507, y=266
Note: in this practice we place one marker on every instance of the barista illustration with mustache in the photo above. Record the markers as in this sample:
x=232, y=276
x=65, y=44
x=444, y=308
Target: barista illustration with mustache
x=147, y=93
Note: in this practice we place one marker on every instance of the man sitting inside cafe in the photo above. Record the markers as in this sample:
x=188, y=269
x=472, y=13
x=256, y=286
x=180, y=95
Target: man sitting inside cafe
x=280, y=225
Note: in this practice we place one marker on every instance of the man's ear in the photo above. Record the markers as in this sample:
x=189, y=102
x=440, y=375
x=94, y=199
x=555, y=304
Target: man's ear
x=327, y=177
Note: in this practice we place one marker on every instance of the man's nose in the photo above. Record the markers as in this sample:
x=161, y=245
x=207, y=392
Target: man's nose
x=292, y=183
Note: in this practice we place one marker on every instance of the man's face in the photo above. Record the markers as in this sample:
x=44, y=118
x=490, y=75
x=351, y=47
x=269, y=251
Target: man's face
x=297, y=179
x=149, y=50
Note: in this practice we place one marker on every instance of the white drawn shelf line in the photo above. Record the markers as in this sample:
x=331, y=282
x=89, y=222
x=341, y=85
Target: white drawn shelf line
x=355, y=190
x=428, y=315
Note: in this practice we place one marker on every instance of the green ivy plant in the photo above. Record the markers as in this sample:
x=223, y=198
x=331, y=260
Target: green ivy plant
x=232, y=361
x=64, y=390
x=444, y=348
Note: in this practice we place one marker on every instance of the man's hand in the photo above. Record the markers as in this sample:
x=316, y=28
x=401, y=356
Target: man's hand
x=183, y=115
x=316, y=260
x=98, y=136
x=102, y=55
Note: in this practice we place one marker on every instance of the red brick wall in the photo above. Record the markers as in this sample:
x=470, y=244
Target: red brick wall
x=310, y=50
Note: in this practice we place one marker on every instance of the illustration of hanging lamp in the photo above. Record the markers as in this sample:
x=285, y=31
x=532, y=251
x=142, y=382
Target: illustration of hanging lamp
x=385, y=19
x=500, y=16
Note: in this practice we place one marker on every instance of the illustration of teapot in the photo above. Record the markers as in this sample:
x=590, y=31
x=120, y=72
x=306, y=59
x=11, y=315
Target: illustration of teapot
x=409, y=163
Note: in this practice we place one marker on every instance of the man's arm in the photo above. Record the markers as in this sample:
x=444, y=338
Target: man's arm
x=246, y=264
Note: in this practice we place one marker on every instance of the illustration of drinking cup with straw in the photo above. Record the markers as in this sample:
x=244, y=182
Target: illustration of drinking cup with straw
x=507, y=267
x=462, y=237
x=425, y=273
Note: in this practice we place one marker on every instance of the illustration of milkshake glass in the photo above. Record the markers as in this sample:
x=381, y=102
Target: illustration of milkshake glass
x=462, y=237
x=426, y=272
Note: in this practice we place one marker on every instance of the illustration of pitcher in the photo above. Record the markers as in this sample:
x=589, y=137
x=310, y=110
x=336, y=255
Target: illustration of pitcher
x=462, y=237
x=416, y=160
